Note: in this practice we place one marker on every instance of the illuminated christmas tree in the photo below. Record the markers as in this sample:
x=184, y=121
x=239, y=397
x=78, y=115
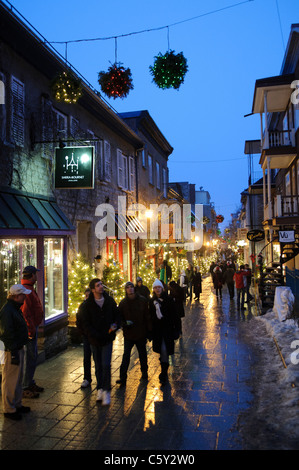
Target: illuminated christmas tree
x=113, y=278
x=80, y=275
x=147, y=273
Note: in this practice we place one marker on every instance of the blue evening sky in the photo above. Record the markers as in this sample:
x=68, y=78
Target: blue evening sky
x=226, y=52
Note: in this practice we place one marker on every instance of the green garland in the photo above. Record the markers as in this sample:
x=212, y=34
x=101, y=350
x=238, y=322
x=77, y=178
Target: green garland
x=117, y=82
x=169, y=70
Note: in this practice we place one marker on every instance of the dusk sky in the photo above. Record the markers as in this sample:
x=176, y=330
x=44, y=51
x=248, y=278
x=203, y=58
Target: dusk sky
x=226, y=50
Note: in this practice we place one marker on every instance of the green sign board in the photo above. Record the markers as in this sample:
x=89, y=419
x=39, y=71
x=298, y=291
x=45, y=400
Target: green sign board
x=74, y=167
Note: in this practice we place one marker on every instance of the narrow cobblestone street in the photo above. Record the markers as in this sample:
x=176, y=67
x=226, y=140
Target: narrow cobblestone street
x=198, y=410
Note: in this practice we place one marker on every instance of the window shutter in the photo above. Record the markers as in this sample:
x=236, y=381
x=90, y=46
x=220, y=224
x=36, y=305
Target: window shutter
x=75, y=128
x=125, y=172
x=131, y=174
x=2, y=108
x=18, y=112
x=150, y=169
x=120, y=169
x=107, y=161
x=47, y=129
x=158, y=176
x=164, y=176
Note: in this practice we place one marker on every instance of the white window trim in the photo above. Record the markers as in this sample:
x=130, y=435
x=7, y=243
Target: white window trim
x=158, y=175
x=107, y=161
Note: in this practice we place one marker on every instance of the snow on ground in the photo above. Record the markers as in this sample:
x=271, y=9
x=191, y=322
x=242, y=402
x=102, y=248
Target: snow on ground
x=273, y=419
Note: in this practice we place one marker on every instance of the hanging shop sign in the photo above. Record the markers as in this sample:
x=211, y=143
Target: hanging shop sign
x=74, y=167
x=286, y=236
x=256, y=235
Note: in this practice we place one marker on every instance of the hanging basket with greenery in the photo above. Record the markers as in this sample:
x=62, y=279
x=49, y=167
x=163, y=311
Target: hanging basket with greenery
x=67, y=88
x=169, y=70
x=117, y=82
x=219, y=219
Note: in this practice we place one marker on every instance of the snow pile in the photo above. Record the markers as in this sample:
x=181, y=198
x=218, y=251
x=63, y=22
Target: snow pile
x=273, y=419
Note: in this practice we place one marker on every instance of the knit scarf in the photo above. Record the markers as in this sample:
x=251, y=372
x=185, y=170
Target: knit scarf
x=158, y=311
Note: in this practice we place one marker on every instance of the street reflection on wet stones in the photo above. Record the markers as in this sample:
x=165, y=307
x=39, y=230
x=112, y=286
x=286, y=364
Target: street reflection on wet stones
x=197, y=409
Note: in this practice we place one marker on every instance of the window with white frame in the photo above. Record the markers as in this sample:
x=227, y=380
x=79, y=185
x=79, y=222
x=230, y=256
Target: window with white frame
x=2, y=108
x=143, y=157
x=125, y=171
x=158, y=176
x=150, y=169
x=17, y=111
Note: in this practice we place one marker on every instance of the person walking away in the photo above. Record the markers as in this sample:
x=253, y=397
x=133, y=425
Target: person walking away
x=248, y=274
x=87, y=353
x=240, y=286
x=136, y=324
x=176, y=292
x=197, y=283
x=141, y=289
x=183, y=283
x=166, y=326
x=14, y=334
x=228, y=279
x=189, y=277
x=218, y=281
x=100, y=320
x=33, y=314
x=165, y=273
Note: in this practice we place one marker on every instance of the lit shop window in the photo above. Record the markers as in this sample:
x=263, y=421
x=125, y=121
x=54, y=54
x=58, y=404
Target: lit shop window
x=14, y=256
x=53, y=270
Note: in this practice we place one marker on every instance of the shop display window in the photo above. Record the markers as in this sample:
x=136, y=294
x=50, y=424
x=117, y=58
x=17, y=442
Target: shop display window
x=53, y=277
x=15, y=254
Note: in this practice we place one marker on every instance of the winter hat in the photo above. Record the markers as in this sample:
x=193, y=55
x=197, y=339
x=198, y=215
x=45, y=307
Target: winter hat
x=139, y=279
x=158, y=283
x=129, y=284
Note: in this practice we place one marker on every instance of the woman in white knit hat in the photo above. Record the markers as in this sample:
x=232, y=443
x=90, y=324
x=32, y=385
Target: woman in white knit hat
x=166, y=326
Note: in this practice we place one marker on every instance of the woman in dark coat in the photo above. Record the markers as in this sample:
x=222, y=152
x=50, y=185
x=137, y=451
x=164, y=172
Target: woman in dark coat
x=197, y=283
x=218, y=281
x=166, y=326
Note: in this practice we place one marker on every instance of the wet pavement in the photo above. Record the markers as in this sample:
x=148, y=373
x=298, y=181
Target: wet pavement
x=198, y=409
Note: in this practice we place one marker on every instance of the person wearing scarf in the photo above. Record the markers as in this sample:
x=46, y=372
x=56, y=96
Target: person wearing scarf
x=166, y=326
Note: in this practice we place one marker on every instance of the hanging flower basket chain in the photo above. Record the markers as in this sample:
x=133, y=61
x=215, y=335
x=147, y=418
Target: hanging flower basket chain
x=117, y=82
x=67, y=88
x=169, y=70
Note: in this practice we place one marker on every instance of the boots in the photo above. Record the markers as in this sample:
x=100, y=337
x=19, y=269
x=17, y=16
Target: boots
x=163, y=376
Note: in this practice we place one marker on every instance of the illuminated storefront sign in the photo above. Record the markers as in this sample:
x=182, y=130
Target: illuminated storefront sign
x=74, y=167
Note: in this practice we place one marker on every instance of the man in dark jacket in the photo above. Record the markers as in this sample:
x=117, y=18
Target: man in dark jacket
x=33, y=314
x=100, y=320
x=141, y=289
x=228, y=278
x=136, y=323
x=14, y=334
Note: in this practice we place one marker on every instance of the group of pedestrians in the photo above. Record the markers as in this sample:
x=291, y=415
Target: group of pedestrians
x=238, y=280
x=19, y=320
x=191, y=281
x=141, y=317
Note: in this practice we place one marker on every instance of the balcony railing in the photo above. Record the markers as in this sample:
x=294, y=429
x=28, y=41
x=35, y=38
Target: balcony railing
x=279, y=139
x=283, y=206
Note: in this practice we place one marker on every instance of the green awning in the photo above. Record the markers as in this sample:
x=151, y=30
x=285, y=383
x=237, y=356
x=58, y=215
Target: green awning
x=22, y=211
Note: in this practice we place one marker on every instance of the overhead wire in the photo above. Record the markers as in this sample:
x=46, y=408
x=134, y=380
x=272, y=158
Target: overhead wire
x=158, y=28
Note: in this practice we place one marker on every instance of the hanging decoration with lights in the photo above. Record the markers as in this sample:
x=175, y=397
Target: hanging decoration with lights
x=205, y=220
x=67, y=88
x=169, y=70
x=117, y=82
x=219, y=219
